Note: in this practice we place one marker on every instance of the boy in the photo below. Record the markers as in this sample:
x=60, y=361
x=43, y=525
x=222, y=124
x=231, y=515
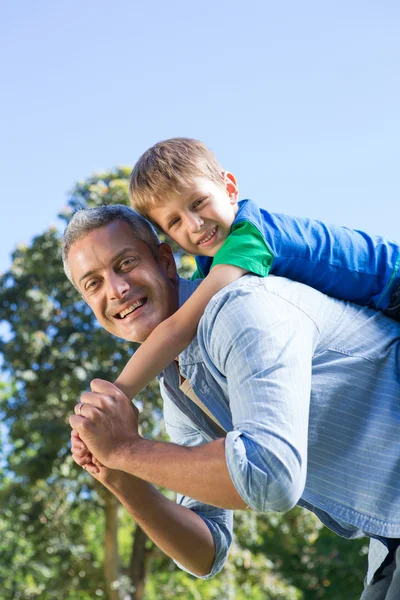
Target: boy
x=180, y=187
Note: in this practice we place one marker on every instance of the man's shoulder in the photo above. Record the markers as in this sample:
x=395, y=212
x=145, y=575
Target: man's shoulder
x=268, y=298
x=271, y=286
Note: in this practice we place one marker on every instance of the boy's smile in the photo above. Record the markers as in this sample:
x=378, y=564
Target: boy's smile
x=199, y=217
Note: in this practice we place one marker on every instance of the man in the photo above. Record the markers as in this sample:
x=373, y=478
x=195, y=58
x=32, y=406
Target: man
x=307, y=389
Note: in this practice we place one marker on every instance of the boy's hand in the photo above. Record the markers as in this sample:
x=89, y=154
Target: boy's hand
x=81, y=454
x=87, y=461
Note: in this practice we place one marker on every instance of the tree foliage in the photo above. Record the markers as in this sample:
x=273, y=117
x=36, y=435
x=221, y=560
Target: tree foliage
x=53, y=514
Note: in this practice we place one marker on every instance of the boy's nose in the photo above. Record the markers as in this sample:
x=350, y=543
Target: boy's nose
x=194, y=223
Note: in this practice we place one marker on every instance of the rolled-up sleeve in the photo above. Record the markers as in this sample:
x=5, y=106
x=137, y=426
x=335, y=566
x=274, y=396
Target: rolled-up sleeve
x=219, y=521
x=259, y=348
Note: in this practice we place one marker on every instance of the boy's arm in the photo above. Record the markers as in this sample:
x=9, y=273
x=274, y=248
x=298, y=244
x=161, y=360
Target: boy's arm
x=173, y=335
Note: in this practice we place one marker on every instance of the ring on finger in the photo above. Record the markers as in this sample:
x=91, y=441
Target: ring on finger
x=80, y=408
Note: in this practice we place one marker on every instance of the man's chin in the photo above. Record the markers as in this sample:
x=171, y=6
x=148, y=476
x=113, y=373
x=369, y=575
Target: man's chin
x=138, y=331
x=129, y=334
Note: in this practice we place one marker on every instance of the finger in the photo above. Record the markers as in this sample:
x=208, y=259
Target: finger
x=81, y=452
x=100, y=386
x=87, y=411
x=81, y=424
x=87, y=464
x=92, y=469
x=79, y=448
x=76, y=439
x=81, y=460
x=109, y=395
x=92, y=399
x=77, y=408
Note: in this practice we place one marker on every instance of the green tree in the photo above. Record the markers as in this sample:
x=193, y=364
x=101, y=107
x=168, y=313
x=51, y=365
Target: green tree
x=52, y=348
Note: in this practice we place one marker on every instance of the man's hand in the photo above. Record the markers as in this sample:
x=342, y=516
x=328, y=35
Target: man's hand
x=106, y=422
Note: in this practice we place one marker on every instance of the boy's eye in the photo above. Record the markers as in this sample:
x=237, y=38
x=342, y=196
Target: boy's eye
x=197, y=203
x=174, y=222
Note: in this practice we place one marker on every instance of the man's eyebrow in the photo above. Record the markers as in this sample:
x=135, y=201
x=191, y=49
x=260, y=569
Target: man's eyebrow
x=112, y=259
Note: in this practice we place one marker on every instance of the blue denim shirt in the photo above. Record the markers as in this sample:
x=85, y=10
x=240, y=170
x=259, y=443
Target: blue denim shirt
x=308, y=389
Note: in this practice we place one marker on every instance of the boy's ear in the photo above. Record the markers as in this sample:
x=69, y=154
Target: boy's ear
x=231, y=187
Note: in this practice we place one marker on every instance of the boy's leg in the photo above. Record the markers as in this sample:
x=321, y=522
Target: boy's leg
x=393, y=310
x=385, y=584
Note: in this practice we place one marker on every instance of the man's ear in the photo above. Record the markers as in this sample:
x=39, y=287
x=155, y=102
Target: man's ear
x=167, y=260
x=231, y=187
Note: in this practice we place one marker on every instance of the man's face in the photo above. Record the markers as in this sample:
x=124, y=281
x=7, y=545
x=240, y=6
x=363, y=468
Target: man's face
x=129, y=292
x=199, y=217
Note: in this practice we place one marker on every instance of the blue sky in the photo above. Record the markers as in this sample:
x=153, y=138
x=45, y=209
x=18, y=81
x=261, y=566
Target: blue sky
x=301, y=100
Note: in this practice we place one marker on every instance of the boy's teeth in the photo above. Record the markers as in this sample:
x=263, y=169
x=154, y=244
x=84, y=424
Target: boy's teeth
x=208, y=237
x=125, y=312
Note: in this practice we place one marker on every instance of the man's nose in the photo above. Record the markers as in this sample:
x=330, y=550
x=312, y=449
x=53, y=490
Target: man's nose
x=117, y=286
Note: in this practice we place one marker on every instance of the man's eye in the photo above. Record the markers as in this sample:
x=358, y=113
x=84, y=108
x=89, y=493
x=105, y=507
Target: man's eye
x=126, y=262
x=90, y=285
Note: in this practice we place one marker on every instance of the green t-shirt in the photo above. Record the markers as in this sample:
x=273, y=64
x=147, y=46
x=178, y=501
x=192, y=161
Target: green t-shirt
x=244, y=247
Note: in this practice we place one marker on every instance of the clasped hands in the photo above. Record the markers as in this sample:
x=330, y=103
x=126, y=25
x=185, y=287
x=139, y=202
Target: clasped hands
x=104, y=426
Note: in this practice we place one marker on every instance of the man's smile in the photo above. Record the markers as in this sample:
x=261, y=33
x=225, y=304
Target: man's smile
x=133, y=307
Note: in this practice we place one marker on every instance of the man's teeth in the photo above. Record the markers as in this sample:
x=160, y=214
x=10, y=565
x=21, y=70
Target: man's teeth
x=204, y=240
x=130, y=309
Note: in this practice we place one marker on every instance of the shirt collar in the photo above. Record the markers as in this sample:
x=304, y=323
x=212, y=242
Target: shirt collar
x=186, y=287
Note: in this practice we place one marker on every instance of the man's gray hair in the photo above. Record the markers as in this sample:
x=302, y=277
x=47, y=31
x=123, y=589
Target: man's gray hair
x=86, y=220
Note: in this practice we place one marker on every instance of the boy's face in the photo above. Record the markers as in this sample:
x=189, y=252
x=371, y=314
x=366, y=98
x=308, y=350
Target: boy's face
x=199, y=218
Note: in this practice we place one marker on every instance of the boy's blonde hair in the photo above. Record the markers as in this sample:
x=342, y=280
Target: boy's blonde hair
x=167, y=167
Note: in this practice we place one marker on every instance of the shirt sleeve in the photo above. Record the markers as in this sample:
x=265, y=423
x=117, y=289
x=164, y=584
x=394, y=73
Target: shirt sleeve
x=260, y=347
x=245, y=247
x=203, y=266
x=219, y=521
x=197, y=275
